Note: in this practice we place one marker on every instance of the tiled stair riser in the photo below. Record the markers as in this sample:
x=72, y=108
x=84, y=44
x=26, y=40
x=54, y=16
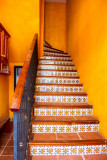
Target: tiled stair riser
x=57, y=73
x=62, y=112
x=68, y=150
x=54, y=54
x=56, y=58
x=58, y=89
x=56, y=67
x=55, y=62
x=60, y=99
x=57, y=80
x=65, y=128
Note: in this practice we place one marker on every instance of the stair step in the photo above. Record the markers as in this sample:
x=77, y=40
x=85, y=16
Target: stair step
x=56, y=67
x=50, y=72
x=50, y=48
x=46, y=49
x=54, y=53
x=63, y=105
x=44, y=111
x=64, y=124
x=67, y=143
x=59, y=88
x=55, y=58
x=57, y=80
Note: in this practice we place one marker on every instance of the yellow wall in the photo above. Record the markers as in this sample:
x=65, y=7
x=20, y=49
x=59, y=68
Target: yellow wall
x=55, y=24
x=87, y=44
x=21, y=19
x=4, y=96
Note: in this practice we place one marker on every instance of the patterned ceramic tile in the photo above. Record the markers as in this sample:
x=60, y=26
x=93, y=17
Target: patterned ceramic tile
x=55, y=62
x=60, y=99
x=54, y=54
x=57, y=58
x=62, y=112
x=58, y=80
x=65, y=128
x=56, y=67
x=57, y=73
x=58, y=89
x=68, y=150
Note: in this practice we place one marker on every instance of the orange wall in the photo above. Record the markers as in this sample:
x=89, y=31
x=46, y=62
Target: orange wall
x=4, y=96
x=41, y=27
x=87, y=44
x=21, y=19
x=55, y=24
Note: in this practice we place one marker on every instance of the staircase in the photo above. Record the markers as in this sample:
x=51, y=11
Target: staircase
x=62, y=126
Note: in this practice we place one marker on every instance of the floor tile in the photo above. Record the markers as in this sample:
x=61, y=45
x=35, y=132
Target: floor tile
x=90, y=135
x=8, y=151
x=6, y=158
x=45, y=118
x=10, y=143
x=44, y=158
x=5, y=136
x=65, y=118
x=68, y=157
x=45, y=136
x=68, y=136
x=96, y=157
x=3, y=142
x=85, y=118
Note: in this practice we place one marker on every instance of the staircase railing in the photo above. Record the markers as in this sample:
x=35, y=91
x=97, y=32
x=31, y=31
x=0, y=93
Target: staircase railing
x=22, y=102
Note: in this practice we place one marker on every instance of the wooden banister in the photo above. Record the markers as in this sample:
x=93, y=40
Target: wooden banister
x=17, y=97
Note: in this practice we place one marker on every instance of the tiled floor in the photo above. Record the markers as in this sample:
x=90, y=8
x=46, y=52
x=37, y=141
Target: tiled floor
x=6, y=145
x=67, y=136
x=73, y=157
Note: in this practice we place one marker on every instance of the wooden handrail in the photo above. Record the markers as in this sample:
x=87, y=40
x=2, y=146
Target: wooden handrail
x=17, y=97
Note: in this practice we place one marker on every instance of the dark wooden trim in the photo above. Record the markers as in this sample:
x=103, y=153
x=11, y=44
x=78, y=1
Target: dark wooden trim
x=58, y=77
x=47, y=43
x=56, y=70
x=61, y=94
x=59, y=85
x=16, y=100
x=68, y=142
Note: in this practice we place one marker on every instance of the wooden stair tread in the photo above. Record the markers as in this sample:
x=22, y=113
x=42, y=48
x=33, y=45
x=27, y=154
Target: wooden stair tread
x=57, y=56
x=64, y=120
x=56, y=65
x=56, y=70
x=55, y=52
x=68, y=142
x=54, y=60
x=61, y=93
x=58, y=85
x=64, y=105
x=61, y=77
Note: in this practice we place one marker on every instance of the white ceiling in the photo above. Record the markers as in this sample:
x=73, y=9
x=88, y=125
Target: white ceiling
x=55, y=1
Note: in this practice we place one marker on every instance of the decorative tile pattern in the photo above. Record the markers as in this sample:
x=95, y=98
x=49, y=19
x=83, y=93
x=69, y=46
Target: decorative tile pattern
x=68, y=150
x=56, y=67
x=62, y=112
x=60, y=99
x=57, y=58
x=54, y=54
x=58, y=89
x=57, y=73
x=55, y=62
x=58, y=80
x=65, y=128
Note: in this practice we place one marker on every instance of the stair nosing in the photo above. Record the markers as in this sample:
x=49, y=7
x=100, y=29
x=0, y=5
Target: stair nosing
x=58, y=77
x=49, y=84
x=62, y=93
x=56, y=70
x=54, y=60
x=71, y=65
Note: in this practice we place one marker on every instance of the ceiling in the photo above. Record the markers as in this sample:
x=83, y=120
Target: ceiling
x=55, y=1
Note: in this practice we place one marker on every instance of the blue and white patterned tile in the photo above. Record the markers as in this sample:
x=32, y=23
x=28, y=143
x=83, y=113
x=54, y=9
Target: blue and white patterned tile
x=56, y=67
x=54, y=54
x=57, y=80
x=55, y=62
x=68, y=150
x=65, y=128
x=56, y=58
